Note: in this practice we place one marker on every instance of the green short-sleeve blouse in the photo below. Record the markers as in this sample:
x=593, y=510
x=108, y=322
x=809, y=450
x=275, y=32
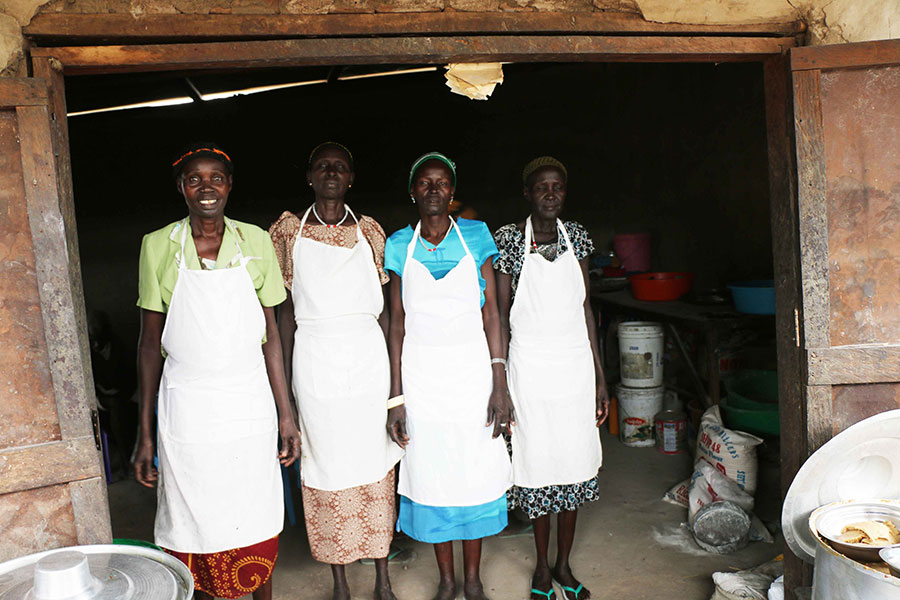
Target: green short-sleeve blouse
x=158, y=270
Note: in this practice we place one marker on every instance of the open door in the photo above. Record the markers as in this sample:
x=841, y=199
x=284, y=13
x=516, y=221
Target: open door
x=846, y=121
x=52, y=490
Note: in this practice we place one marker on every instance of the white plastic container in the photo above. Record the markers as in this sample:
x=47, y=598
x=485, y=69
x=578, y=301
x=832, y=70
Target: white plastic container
x=641, y=354
x=637, y=406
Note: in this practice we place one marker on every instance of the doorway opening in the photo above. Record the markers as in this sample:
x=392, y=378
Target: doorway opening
x=676, y=150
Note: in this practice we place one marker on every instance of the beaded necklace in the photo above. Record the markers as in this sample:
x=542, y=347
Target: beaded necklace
x=338, y=224
x=421, y=240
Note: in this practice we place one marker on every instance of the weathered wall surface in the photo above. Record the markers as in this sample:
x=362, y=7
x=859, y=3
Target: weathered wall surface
x=829, y=21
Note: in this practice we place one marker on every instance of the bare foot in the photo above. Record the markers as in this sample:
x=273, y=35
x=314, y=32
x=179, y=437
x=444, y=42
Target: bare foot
x=473, y=590
x=564, y=577
x=341, y=593
x=384, y=592
x=446, y=591
x=542, y=580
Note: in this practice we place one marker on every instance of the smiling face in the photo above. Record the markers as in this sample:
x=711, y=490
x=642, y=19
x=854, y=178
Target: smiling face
x=432, y=188
x=546, y=192
x=205, y=185
x=330, y=173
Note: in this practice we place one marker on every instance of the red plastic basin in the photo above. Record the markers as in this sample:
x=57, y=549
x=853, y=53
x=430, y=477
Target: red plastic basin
x=659, y=287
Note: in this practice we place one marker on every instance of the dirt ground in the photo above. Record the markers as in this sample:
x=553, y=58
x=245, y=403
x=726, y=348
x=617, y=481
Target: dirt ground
x=629, y=544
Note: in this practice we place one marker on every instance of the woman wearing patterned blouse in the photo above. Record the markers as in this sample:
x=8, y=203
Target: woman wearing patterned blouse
x=333, y=329
x=555, y=377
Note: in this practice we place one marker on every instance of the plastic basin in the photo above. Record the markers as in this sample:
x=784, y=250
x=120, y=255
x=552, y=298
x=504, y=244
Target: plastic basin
x=660, y=287
x=759, y=422
x=754, y=297
x=752, y=388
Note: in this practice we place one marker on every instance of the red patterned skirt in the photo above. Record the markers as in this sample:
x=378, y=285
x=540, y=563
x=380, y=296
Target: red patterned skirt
x=232, y=573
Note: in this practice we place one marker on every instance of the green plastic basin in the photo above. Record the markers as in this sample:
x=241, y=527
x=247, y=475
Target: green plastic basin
x=758, y=422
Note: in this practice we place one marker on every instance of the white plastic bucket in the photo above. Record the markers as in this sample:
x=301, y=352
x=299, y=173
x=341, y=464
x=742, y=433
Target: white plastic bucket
x=637, y=406
x=641, y=354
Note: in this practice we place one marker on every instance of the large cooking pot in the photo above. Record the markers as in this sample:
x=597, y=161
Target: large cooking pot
x=859, y=465
x=101, y=572
x=836, y=575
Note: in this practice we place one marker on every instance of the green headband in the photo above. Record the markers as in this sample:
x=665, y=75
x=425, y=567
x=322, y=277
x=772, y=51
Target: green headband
x=425, y=158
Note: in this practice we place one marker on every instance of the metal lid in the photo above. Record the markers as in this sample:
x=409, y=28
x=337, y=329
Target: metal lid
x=860, y=463
x=103, y=572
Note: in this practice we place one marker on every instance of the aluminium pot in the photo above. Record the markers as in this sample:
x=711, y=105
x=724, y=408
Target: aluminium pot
x=859, y=465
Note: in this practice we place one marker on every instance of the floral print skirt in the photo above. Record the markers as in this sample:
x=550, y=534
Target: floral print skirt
x=346, y=525
x=537, y=502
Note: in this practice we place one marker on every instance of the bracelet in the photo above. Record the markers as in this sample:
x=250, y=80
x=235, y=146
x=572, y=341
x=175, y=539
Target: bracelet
x=396, y=401
x=499, y=361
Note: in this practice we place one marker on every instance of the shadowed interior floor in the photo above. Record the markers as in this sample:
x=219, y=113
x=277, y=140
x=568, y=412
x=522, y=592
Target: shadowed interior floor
x=629, y=544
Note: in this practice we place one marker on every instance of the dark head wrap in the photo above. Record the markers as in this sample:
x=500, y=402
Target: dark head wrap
x=541, y=162
x=201, y=150
x=425, y=158
x=324, y=145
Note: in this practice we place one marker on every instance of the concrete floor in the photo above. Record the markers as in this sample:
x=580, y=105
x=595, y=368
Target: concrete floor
x=629, y=544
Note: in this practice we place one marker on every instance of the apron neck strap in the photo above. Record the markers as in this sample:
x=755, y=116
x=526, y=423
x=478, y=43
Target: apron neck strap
x=560, y=233
x=303, y=221
x=239, y=254
x=185, y=225
x=417, y=234
x=349, y=210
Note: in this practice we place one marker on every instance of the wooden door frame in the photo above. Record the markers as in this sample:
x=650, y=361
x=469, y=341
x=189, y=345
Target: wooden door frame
x=75, y=458
x=597, y=37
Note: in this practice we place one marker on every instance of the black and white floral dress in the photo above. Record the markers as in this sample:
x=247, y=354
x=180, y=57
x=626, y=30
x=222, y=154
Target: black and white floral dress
x=510, y=240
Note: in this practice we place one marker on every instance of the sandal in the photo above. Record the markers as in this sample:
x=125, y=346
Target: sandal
x=566, y=589
x=549, y=594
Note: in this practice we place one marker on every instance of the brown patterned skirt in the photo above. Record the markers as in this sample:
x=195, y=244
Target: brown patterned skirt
x=232, y=573
x=346, y=525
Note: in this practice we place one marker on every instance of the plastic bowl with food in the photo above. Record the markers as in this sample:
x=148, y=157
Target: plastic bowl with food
x=891, y=556
x=832, y=523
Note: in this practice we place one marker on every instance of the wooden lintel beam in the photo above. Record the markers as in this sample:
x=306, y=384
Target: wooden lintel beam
x=26, y=92
x=872, y=363
x=48, y=464
x=426, y=50
x=125, y=27
x=847, y=56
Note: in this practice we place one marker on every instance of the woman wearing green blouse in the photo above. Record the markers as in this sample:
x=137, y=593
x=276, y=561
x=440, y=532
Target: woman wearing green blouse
x=210, y=348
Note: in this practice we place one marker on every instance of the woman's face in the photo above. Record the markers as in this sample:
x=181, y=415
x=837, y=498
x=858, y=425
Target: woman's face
x=432, y=188
x=330, y=174
x=546, y=193
x=205, y=185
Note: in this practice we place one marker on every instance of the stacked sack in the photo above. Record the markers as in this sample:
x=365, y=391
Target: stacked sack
x=719, y=494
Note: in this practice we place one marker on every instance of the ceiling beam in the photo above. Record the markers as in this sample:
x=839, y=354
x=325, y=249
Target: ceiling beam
x=85, y=60
x=70, y=28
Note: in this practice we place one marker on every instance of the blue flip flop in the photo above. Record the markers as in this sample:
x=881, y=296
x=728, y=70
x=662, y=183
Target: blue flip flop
x=548, y=594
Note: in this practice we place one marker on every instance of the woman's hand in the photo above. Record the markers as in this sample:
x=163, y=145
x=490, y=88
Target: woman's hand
x=290, y=442
x=144, y=471
x=396, y=425
x=500, y=411
x=602, y=403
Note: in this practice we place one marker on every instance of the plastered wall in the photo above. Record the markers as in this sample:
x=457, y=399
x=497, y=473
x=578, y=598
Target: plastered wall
x=829, y=21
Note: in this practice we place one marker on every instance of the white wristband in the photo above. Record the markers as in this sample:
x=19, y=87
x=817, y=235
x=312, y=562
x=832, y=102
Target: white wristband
x=396, y=401
x=499, y=361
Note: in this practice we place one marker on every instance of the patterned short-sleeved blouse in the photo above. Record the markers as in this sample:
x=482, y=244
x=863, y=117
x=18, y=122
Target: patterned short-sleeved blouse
x=284, y=234
x=511, y=243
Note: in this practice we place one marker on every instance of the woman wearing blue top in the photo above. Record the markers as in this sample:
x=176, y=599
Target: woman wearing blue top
x=449, y=399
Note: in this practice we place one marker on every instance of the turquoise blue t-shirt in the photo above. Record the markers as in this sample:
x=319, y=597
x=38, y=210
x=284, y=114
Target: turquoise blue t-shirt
x=448, y=253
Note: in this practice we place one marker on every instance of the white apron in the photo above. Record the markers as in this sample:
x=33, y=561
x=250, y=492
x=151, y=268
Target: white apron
x=219, y=477
x=451, y=459
x=341, y=370
x=551, y=373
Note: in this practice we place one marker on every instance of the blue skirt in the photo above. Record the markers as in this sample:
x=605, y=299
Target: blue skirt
x=437, y=524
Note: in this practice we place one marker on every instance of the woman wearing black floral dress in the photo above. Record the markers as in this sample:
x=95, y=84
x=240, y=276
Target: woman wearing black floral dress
x=555, y=377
